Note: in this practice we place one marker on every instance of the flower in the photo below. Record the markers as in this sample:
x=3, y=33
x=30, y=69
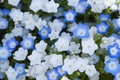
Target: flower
x=3, y=23
x=56, y=60
x=81, y=31
x=62, y=44
x=72, y=2
x=51, y=7
x=4, y=53
x=61, y=71
x=27, y=43
x=89, y=46
x=13, y=2
x=21, y=54
x=114, y=51
x=52, y=74
x=70, y=16
x=69, y=65
x=44, y=32
x=94, y=59
x=102, y=28
x=11, y=73
x=11, y=44
x=117, y=76
x=104, y=17
x=90, y=70
x=112, y=66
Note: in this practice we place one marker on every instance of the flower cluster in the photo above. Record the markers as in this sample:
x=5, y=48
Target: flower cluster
x=59, y=39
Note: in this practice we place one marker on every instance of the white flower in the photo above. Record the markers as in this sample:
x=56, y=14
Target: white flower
x=81, y=64
x=74, y=47
x=51, y=7
x=31, y=71
x=40, y=23
x=35, y=5
x=41, y=46
x=62, y=44
x=90, y=70
x=54, y=35
x=65, y=78
x=54, y=25
x=73, y=2
x=13, y=2
x=20, y=54
x=4, y=66
x=106, y=41
x=11, y=74
x=89, y=46
x=35, y=58
x=69, y=65
x=95, y=77
x=16, y=15
x=41, y=77
x=92, y=31
x=66, y=35
x=17, y=31
x=56, y=60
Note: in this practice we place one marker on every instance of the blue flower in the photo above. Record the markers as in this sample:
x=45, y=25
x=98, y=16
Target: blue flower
x=104, y=17
x=3, y=23
x=44, y=32
x=61, y=71
x=6, y=11
x=112, y=66
x=114, y=51
x=4, y=53
x=81, y=31
x=52, y=74
x=27, y=43
x=20, y=68
x=117, y=76
x=116, y=23
x=70, y=16
x=102, y=28
x=11, y=44
x=1, y=76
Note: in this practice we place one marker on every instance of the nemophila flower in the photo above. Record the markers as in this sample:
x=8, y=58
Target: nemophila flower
x=4, y=53
x=114, y=7
x=51, y=7
x=11, y=44
x=89, y=46
x=54, y=35
x=41, y=77
x=73, y=2
x=17, y=31
x=104, y=17
x=93, y=59
x=117, y=76
x=95, y=76
x=16, y=15
x=69, y=66
x=80, y=8
x=70, y=16
x=92, y=31
x=20, y=68
x=116, y=23
x=21, y=54
x=62, y=44
x=13, y=2
x=102, y=28
x=3, y=23
x=6, y=11
x=56, y=60
x=27, y=43
x=81, y=31
x=35, y=58
x=81, y=64
x=90, y=70
x=44, y=32
x=4, y=66
x=114, y=50
x=1, y=76
x=74, y=48
x=52, y=74
x=61, y=71
x=112, y=66
x=11, y=73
